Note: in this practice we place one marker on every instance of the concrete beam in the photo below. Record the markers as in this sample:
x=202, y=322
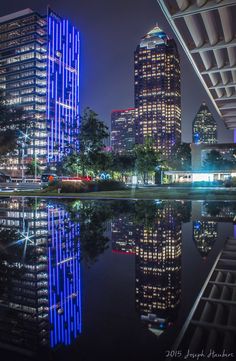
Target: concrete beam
x=227, y=107
x=167, y=14
x=221, y=85
x=219, y=70
x=194, y=9
x=233, y=97
x=209, y=47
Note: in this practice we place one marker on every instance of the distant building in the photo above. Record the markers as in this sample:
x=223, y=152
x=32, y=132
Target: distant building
x=39, y=71
x=203, y=169
x=200, y=151
x=204, y=236
x=122, y=130
x=204, y=126
x=157, y=91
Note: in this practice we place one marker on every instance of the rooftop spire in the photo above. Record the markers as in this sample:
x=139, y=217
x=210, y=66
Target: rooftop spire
x=154, y=37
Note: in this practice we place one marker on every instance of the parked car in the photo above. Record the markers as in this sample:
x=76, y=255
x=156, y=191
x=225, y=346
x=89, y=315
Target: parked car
x=4, y=178
x=46, y=177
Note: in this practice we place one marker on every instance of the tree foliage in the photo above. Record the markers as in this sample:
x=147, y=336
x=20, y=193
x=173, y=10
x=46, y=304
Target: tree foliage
x=181, y=158
x=11, y=122
x=213, y=160
x=92, y=132
x=147, y=159
x=91, y=158
x=31, y=168
x=123, y=163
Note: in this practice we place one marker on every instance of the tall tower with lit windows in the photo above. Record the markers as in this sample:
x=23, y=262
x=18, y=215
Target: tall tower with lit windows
x=157, y=91
x=39, y=71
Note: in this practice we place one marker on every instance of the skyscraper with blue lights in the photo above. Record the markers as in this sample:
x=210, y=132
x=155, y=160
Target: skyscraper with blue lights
x=39, y=71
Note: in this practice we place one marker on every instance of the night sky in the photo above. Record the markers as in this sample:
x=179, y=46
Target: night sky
x=110, y=31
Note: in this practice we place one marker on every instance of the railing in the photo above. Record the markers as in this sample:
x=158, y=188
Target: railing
x=26, y=180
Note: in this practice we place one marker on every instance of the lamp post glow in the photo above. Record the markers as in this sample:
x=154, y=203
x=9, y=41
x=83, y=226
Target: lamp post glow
x=25, y=137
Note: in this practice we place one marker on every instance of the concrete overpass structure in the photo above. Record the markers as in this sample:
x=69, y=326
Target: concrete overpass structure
x=206, y=29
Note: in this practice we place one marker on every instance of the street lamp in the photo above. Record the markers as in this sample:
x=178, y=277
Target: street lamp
x=25, y=138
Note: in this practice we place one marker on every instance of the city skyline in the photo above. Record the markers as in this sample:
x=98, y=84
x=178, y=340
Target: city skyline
x=107, y=56
x=117, y=180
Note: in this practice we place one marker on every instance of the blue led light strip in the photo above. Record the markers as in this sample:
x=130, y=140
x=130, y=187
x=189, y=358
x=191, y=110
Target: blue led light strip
x=64, y=278
x=62, y=87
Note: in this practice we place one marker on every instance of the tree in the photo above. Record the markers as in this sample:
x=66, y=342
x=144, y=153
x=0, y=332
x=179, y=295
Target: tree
x=92, y=133
x=123, y=163
x=92, y=217
x=181, y=159
x=71, y=164
x=91, y=157
x=147, y=158
x=11, y=122
x=214, y=160
x=100, y=162
x=31, y=168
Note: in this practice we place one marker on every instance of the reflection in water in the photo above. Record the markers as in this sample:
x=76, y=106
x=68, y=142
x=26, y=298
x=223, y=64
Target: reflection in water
x=158, y=270
x=219, y=211
x=64, y=277
x=204, y=236
x=40, y=276
x=153, y=234
x=124, y=235
x=42, y=246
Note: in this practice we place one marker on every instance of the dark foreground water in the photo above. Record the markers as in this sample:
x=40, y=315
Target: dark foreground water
x=111, y=280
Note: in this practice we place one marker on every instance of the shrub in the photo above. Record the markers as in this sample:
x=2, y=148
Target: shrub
x=73, y=187
x=109, y=185
x=94, y=186
x=230, y=182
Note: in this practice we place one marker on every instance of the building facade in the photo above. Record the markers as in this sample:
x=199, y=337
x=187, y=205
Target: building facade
x=123, y=130
x=39, y=71
x=40, y=276
x=157, y=91
x=204, y=126
x=204, y=156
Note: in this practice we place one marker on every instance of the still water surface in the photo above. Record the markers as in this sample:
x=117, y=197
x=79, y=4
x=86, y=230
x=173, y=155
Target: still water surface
x=110, y=280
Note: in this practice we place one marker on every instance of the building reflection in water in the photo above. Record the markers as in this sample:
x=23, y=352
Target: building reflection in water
x=219, y=211
x=40, y=296
x=40, y=255
x=124, y=235
x=204, y=236
x=157, y=249
x=158, y=270
x=64, y=277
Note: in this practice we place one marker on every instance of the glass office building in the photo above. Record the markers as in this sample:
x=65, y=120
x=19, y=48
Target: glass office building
x=204, y=126
x=39, y=71
x=123, y=130
x=157, y=91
